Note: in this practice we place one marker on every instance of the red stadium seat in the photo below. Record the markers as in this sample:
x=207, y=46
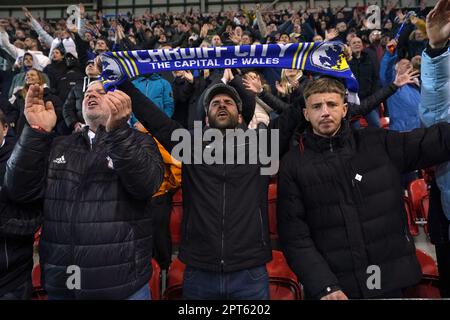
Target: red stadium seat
x=272, y=210
x=155, y=281
x=176, y=217
x=282, y=281
x=412, y=226
x=418, y=194
x=174, y=288
x=38, y=292
x=428, y=287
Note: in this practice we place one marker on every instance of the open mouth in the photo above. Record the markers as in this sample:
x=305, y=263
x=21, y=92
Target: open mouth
x=92, y=104
x=222, y=114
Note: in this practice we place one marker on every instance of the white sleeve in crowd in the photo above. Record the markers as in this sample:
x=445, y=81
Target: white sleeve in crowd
x=48, y=39
x=12, y=50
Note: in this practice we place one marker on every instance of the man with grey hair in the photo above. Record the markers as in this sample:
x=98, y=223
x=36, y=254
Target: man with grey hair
x=96, y=184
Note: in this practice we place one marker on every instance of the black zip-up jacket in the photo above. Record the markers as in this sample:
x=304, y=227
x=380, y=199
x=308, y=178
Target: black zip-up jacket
x=340, y=207
x=18, y=224
x=96, y=207
x=225, y=224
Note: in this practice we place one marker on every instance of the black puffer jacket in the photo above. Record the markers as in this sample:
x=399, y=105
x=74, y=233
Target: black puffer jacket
x=340, y=207
x=225, y=224
x=96, y=207
x=18, y=223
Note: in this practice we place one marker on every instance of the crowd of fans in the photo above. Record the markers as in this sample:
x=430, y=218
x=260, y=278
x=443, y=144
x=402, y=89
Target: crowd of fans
x=61, y=56
x=61, y=60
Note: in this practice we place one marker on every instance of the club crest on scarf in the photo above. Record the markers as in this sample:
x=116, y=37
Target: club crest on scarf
x=329, y=57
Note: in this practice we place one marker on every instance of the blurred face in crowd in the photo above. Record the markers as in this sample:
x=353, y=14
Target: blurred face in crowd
x=92, y=70
x=64, y=34
x=30, y=43
x=318, y=38
x=356, y=45
x=325, y=112
x=323, y=25
x=3, y=131
x=238, y=31
x=419, y=35
x=297, y=28
x=341, y=27
x=32, y=77
x=349, y=37
x=292, y=74
x=375, y=36
x=100, y=46
x=20, y=34
x=28, y=60
x=284, y=38
x=19, y=44
x=403, y=65
x=88, y=36
x=223, y=112
x=246, y=39
x=95, y=110
x=216, y=41
x=388, y=25
x=57, y=55
x=162, y=38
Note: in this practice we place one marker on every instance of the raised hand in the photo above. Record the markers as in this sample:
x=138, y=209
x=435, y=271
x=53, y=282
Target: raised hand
x=331, y=35
x=408, y=77
x=120, y=109
x=188, y=76
x=280, y=88
x=228, y=75
x=27, y=13
x=38, y=113
x=438, y=24
x=253, y=84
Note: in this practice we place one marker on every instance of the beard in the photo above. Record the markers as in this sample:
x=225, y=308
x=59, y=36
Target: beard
x=231, y=122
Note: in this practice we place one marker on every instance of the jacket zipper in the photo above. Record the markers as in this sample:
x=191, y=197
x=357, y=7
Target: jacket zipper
x=262, y=228
x=222, y=262
x=331, y=146
x=6, y=255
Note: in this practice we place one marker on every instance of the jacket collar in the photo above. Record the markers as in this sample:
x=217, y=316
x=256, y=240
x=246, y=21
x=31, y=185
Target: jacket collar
x=320, y=144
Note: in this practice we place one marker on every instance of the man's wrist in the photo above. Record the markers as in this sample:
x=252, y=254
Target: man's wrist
x=39, y=129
